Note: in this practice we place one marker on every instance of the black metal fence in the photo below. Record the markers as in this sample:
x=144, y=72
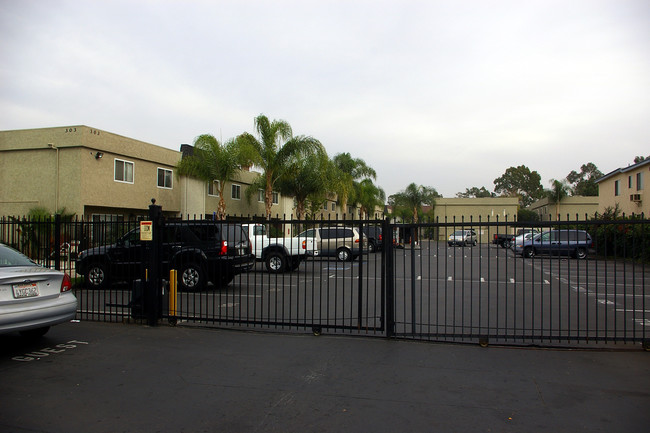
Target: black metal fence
x=415, y=284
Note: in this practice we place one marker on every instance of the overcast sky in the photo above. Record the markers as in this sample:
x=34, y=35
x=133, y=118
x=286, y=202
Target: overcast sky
x=446, y=94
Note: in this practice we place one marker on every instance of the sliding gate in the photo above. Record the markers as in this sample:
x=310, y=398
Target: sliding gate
x=484, y=293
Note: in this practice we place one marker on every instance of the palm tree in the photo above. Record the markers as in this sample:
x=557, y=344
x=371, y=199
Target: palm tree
x=369, y=196
x=414, y=197
x=346, y=171
x=275, y=151
x=558, y=192
x=306, y=178
x=212, y=161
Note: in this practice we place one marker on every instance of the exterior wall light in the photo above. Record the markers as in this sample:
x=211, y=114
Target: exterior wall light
x=98, y=155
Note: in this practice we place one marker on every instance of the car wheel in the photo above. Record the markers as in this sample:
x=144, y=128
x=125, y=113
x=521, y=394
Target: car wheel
x=343, y=255
x=295, y=263
x=450, y=244
x=372, y=247
x=35, y=333
x=191, y=277
x=474, y=243
x=225, y=279
x=96, y=276
x=529, y=253
x=581, y=253
x=276, y=262
x=505, y=244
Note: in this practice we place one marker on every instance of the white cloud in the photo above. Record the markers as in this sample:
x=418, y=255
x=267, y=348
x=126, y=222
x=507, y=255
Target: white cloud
x=415, y=88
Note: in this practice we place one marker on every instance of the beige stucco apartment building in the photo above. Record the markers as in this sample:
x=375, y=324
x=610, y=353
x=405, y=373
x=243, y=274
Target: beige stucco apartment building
x=569, y=208
x=98, y=175
x=625, y=188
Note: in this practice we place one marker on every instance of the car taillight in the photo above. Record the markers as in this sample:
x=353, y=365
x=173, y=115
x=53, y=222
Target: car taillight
x=380, y=238
x=66, y=284
x=356, y=241
x=304, y=245
x=224, y=248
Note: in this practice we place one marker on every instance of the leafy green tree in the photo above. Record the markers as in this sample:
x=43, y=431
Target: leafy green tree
x=275, y=151
x=584, y=183
x=638, y=159
x=558, y=192
x=212, y=161
x=413, y=198
x=346, y=171
x=522, y=183
x=306, y=178
x=475, y=192
x=527, y=215
x=368, y=196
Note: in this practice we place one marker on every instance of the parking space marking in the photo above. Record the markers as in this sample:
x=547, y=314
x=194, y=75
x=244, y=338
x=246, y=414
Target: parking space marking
x=49, y=351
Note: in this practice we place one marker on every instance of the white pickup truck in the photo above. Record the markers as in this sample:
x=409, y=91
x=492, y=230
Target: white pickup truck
x=279, y=254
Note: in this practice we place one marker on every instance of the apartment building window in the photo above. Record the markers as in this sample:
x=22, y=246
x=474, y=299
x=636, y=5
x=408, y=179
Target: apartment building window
x=325, y=206
x=123, y=171
x=276, y=197
x=617, y=188
x=629, y=181
x=260, y=195
x=164, y=178
x=236, y=191
x=213, y=188
x=333, y=206
x=639, y=181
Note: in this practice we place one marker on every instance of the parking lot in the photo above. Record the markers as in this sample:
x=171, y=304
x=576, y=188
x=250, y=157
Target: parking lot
x=440, y=293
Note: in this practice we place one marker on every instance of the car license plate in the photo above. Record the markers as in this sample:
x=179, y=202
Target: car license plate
x=28, y=290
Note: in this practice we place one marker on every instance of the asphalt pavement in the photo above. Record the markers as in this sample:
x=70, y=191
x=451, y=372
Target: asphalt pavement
x=102, y=377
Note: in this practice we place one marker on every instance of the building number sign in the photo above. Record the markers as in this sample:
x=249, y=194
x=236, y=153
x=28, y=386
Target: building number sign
x=92, y=131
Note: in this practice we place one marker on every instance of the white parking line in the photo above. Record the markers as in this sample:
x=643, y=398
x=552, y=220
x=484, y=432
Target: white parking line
x=621, y=310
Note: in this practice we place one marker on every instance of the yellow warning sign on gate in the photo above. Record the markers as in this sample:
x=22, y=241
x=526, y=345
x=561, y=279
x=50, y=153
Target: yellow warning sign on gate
x=146, y=230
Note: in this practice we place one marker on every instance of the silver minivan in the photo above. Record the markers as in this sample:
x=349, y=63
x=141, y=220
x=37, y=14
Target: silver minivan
x=344, y=243
x=462, y=238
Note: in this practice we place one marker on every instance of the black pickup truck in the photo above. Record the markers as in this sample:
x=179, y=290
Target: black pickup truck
x=505, y=240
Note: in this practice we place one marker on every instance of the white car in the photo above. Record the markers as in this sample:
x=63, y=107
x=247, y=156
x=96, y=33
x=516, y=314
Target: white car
x=32, y=298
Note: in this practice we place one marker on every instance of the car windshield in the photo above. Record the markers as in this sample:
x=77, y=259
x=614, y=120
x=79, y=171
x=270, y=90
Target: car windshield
x=459, y=233
x=11, y=257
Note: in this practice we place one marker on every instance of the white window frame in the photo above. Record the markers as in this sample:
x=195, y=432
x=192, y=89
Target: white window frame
x=171, y=178
x=123, y=173
x=260, y=196
x=617, y=188
x=235, y=187
x=639, y=181
x=275, y=197
x=215, y=188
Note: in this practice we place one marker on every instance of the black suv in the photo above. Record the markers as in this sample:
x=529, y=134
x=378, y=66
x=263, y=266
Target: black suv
x=373, y=233
x=200, y=251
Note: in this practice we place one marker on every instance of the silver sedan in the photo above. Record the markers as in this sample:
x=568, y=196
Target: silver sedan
x=32, y=298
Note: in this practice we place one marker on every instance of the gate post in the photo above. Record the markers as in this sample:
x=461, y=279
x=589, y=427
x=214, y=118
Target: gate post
x=57, y=242
x=152, y=296
x=388, y=278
